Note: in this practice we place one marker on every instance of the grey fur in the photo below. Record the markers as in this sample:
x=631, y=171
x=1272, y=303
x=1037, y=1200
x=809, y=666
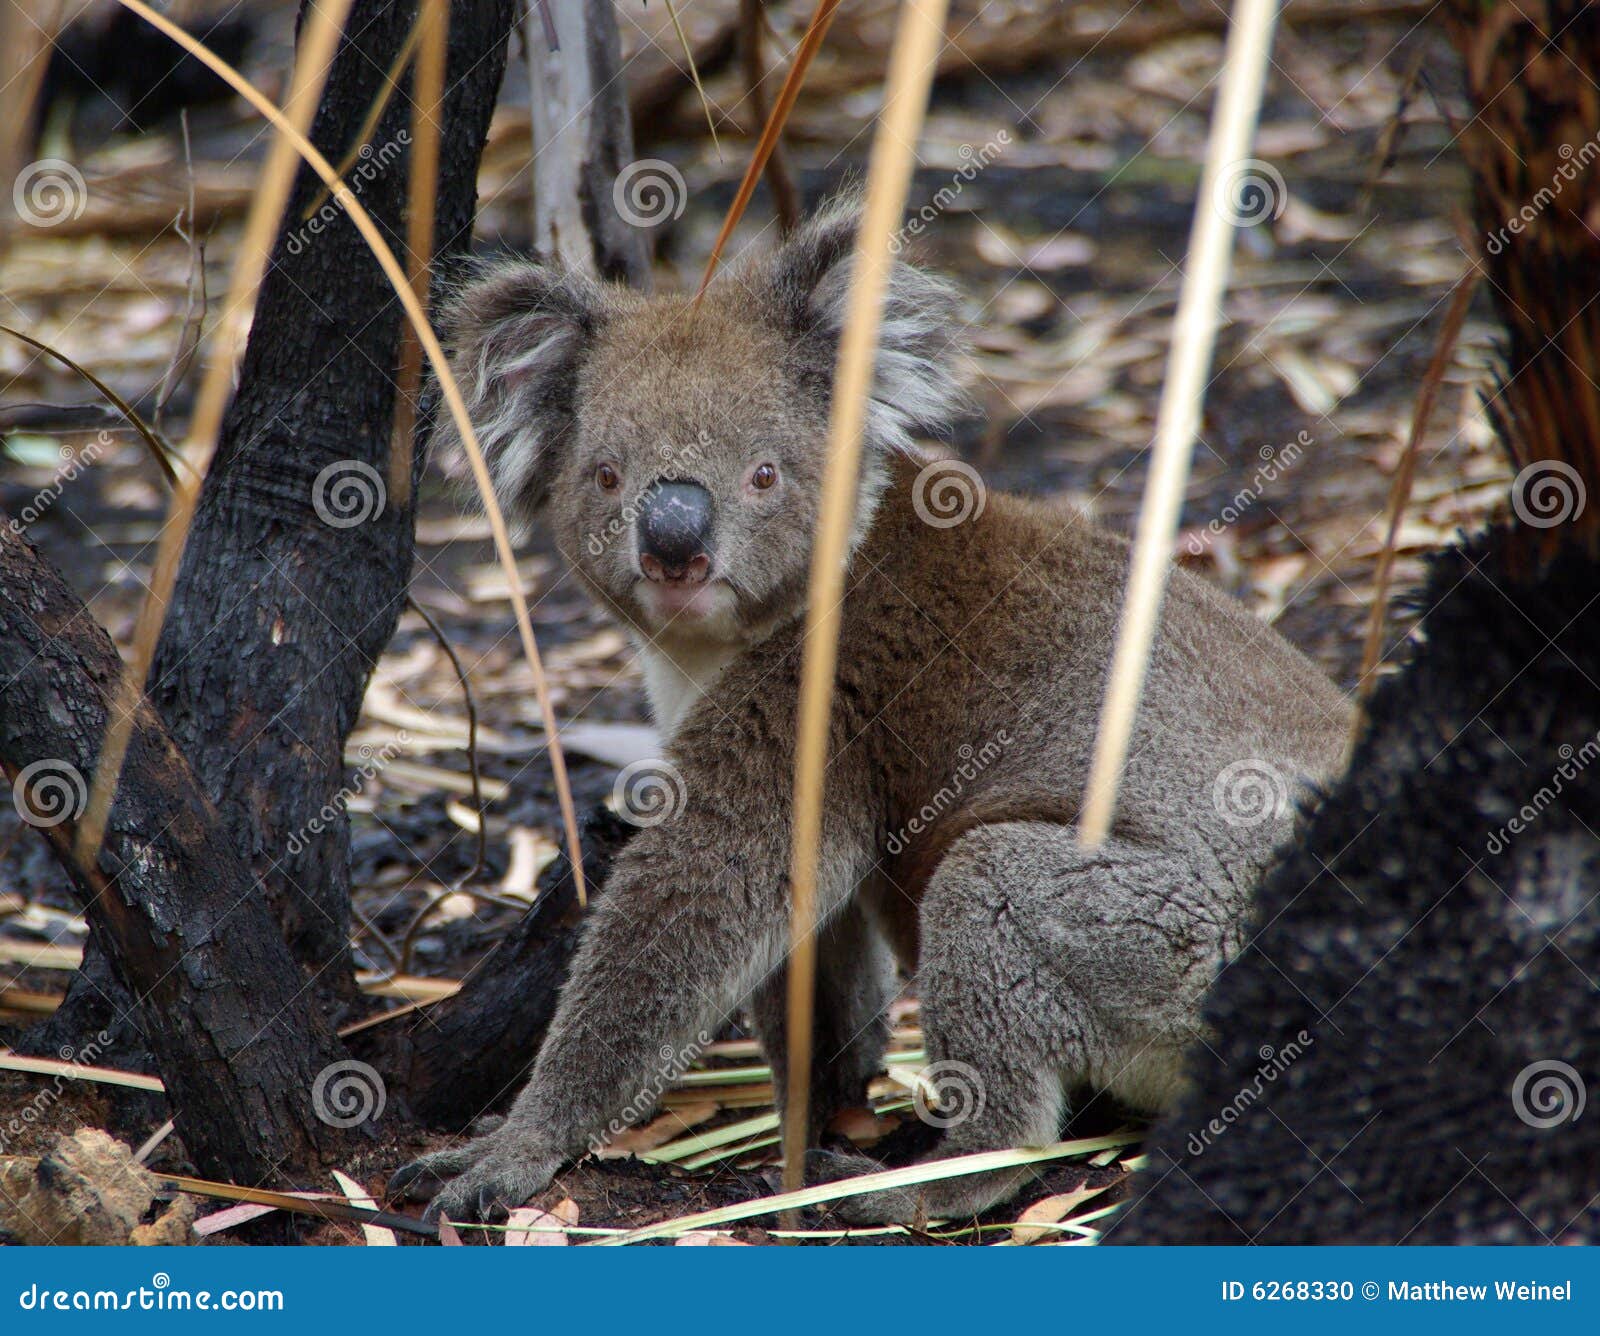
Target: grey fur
x=972, y=663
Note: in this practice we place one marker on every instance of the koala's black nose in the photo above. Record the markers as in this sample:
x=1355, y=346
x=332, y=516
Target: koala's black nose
x=674, y=524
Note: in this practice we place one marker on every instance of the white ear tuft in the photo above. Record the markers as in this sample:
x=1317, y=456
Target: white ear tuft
x=914, y=382
x=517, y=334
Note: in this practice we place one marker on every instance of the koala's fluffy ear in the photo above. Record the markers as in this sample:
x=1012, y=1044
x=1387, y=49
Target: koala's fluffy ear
x=914, y=383
x=517, y=333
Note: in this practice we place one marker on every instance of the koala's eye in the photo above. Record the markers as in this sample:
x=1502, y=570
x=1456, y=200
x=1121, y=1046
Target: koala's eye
x=764, y=476
x=607, y=478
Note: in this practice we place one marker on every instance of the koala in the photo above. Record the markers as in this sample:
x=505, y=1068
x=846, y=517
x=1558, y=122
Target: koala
x=675, y=453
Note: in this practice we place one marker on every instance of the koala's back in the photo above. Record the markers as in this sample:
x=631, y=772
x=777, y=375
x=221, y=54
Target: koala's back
x=1011, y=625
x=972, y=668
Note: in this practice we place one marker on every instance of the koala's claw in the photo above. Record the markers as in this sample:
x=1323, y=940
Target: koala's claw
x=425, y=1176
x=477, y=1182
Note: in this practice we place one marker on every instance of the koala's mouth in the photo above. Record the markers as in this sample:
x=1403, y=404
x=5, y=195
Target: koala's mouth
x=684, y=604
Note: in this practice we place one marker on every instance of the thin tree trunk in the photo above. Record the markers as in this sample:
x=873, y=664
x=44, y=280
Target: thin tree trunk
x=297, y=566
x=282, y=607
x=582, y=140
x=217, y=996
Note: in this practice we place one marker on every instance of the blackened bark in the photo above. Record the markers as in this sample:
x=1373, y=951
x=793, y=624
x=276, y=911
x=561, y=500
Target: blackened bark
x=297, y=565
x=469, y=1055
x=217, y=996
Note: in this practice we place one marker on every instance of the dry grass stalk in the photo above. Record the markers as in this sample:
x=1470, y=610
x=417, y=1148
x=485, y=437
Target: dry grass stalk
x=1449, y=333
x=772, y=132
x=917, y=39
x=1182, y=396
x=427, y=99
x=25, y=40
x=277, y=176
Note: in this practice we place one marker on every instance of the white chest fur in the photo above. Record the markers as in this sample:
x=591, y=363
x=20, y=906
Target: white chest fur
x=676, y=678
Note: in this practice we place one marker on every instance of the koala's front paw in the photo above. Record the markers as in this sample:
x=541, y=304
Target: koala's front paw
x=483, y=1180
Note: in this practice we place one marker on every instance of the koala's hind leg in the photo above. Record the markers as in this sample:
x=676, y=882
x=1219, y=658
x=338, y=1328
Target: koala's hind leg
x=1045, y=967
x=856, y=981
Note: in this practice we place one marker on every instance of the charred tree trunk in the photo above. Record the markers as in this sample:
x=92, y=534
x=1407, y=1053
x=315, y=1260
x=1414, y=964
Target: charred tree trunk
x=298, y=562
x=1404, y=1047
x=292, y=581
x=170, y=904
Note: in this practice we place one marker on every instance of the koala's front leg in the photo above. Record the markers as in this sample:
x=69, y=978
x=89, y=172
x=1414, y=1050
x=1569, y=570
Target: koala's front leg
x=695, y=914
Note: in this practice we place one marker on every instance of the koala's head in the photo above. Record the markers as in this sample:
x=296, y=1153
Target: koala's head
x=674, y=453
